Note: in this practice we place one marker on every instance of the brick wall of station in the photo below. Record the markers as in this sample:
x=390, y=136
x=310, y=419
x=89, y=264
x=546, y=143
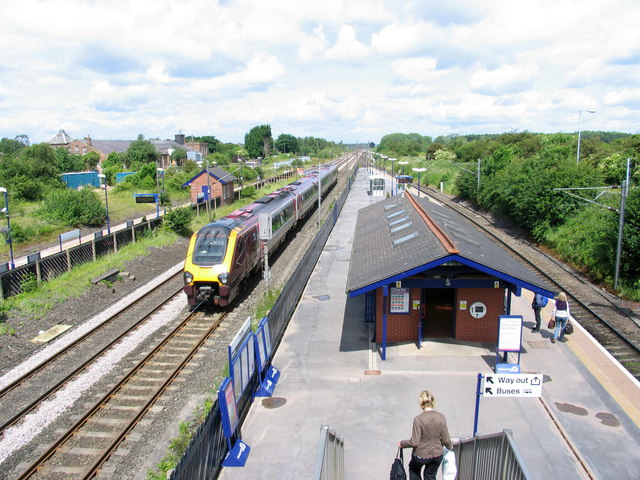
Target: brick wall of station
x=403, y=327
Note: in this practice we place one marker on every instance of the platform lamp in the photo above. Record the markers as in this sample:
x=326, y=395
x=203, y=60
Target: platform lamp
x=392, y=160
x=419, y=170
x=106, y=200
x=579, y=131
x=403, y=165
x=161, y=174
x=5, y=210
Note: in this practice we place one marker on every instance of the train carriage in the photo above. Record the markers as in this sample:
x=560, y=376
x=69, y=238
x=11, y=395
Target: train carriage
x=224, y=253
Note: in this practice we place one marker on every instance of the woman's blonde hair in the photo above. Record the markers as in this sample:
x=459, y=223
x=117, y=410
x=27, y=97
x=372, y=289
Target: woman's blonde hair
x=427, y=400
x=562, y=296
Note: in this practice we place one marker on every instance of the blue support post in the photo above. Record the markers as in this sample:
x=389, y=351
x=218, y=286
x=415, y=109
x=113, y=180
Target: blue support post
x=478, y=394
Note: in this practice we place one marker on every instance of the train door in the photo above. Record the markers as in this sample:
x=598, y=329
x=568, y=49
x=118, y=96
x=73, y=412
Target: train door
x=239, y=262
x=438, y=313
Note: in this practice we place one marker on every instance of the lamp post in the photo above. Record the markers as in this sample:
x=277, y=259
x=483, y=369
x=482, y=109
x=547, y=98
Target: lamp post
x=419, y=170
x=403, y=165
x=5, y=210
x=392, y=175
x=579, y=131
x=161, y=173
x=106, y=200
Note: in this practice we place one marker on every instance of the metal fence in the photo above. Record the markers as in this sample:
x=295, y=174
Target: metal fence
x=330, y=457
x=489, y=457
x=42, y=269
x=207, y=450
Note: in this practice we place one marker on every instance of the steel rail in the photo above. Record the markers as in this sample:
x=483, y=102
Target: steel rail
x=44, y=457
x=7, y=388
x=26, y=410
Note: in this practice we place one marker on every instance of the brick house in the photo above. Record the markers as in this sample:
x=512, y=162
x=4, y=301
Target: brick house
x=104, y=147
x=218, y=180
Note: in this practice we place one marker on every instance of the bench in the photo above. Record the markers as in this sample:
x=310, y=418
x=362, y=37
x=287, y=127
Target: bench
x=108, y=276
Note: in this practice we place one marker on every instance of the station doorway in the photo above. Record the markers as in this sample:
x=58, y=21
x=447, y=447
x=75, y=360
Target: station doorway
x=438, y=313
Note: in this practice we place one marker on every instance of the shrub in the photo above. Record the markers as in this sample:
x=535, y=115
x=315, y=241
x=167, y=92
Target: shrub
x=248, y=191
x=73, y=208
x=178, y=220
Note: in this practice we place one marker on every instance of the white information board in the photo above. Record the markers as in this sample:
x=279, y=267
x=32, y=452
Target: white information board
x=510, y=333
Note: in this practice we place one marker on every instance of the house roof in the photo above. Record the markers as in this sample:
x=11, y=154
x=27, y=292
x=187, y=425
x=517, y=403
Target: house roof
x=108, y=146
x=216, y=172
x=163, y=146
x=403, y=235
x=61, y=138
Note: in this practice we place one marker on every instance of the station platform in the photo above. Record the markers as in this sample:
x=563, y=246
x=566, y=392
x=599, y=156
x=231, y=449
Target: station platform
x=585, y=425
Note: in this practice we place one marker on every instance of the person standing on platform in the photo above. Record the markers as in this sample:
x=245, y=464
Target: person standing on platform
x=429, y=434
x=561, y=315
x=539, y=302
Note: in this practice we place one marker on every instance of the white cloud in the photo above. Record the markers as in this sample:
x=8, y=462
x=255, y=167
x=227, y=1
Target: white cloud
x=506, y=79
x=347, y=46
x=397, y=39
x=329, y=69
x=624, y=97
x=418, y=70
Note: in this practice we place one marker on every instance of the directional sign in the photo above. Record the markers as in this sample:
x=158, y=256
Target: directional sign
x=513, y=385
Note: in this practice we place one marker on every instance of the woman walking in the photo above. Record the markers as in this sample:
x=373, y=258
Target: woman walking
x=561, y=315
x=429, y=434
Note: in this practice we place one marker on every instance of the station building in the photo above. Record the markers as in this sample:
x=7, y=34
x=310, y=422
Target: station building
x=427, y=272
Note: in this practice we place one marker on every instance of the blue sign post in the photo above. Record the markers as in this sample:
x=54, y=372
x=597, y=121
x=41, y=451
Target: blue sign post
x=239, y=451
x=268, y=377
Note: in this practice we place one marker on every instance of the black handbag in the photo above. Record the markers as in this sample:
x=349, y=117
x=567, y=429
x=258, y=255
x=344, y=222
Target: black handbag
x=568, y=329
x=397, y=468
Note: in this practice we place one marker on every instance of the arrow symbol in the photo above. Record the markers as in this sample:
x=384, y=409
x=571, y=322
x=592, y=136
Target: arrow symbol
x=488, y=390
x=489, y=379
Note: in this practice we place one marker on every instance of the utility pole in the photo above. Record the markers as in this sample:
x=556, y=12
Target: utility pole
x=623, y=202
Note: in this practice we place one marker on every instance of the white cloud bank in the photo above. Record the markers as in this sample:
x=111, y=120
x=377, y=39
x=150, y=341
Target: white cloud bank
x=345, y=70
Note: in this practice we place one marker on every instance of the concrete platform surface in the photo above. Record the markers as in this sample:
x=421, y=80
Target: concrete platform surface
x=585, y=425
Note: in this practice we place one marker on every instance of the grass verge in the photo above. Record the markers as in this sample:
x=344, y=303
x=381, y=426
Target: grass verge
x=42, y=297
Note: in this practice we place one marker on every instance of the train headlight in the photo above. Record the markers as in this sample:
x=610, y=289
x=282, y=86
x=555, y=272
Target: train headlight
x=223, y=278
x=188, y=278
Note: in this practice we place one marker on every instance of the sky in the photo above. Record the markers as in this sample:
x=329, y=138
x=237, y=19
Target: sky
x=344, y=70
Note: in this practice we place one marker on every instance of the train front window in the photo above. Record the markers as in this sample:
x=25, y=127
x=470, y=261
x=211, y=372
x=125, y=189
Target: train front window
x=210, y=247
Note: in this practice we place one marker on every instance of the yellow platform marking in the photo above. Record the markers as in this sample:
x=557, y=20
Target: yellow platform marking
x=50, y=334
x=608, y=373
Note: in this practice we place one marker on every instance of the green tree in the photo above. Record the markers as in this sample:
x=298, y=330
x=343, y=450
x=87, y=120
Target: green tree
x=91, y=160
x=179, y=219
x=114, y=163
x=140, y=152
x=259, y=141
x=10, y=147
x=178, y=156
x=286, y=143
x=31, y=173
x=215, y=145
x=402, y=144
x=73, y=208
x=67, y=162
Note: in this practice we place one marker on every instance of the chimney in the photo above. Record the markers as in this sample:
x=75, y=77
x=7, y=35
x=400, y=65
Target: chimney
x=180, y=138
x=87, y=139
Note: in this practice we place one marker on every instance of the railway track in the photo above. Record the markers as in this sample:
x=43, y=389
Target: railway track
x=84, y=448
x=30, y=388
x=602, y=314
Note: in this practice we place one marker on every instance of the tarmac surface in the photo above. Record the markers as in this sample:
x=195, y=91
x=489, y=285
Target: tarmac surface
x=586, y=424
